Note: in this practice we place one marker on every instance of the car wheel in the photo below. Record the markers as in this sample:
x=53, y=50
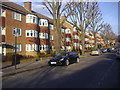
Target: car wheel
x=77, y=60
x=66, y=62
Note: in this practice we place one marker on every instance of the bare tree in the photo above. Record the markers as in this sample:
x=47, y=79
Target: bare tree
x=108, y=34
x=96, y=21
x=56, y=9
x=80, y=17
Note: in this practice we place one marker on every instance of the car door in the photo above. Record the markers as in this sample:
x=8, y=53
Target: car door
x=73, y=57
x=70, y=57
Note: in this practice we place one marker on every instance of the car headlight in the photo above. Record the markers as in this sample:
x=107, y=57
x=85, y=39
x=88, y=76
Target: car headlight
x=62, y=59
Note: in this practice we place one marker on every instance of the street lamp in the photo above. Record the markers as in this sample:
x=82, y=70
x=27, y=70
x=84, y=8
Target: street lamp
x=16, y=35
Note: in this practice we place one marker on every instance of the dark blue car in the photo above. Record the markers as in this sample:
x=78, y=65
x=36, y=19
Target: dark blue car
x=104, y=50
x=64, y=59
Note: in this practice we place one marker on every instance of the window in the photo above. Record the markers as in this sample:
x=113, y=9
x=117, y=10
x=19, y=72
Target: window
x=76, y=44
x=68, y=40
x=43, y=22
x=31, y=18
x=0, y=30
x=31, y=33
x=51, y=37
x=76, y=37
x=62, y=30
x=51, y=27
x=68, y=31
x=68, y=47
x=31, y=47
x=62, y=48
x=17, y=16
x=18, y=47
x=74, y=29
x=17, y=31
x=86, y=39
x=43, y=47
x=43, y=35
x=34, y=20
x=2, y=12
x=63, y=39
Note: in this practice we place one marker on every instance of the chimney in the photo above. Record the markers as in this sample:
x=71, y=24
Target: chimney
x=27, y=5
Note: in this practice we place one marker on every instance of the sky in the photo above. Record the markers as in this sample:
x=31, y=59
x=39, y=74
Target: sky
x=109, y=11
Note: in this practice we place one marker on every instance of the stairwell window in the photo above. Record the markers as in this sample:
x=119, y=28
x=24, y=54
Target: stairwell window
x=51, y=37
x=43, y=35
x=17, y=31
x=17, y=16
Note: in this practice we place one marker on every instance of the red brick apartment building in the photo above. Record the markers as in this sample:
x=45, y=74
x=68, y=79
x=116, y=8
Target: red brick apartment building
x=34, y=31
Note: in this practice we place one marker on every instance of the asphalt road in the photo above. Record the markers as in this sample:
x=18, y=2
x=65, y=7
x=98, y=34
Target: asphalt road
x=91, y=72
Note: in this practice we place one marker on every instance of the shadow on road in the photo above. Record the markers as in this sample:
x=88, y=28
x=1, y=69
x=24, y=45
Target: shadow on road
x=98, y=74
x=103, y=74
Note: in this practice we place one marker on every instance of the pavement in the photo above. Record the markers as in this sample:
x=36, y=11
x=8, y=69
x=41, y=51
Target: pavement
x=10, y=70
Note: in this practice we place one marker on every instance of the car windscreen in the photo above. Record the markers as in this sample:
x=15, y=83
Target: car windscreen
x=61, y=54
x=95, y=50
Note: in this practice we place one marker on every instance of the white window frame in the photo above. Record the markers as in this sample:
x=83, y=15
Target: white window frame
x=68, y=47
x=2, y=12
x=43, y=22
x=68, y=40
x=63, y=30
x=33, y=32
x=15, y=31
x=31, y=19
x=43, y=47
x=19, y=49
x=31, y=47
x=43, y=35
x=51, y=37
x=76, y=37
x=17, y=16
x=68, y=31
x=51, y=27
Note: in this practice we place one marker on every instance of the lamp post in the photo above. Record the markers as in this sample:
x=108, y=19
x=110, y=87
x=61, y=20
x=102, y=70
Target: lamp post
x=16, y=35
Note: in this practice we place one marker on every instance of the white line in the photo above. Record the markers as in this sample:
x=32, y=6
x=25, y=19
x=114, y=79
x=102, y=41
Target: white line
x=99, y=83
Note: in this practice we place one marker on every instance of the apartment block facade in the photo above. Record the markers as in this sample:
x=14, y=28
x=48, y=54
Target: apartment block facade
x=35, y=31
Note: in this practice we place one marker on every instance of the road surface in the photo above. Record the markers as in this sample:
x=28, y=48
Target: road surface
x=91, y=72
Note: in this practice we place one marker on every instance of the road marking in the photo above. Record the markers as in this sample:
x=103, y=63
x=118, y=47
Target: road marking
x=99, y=83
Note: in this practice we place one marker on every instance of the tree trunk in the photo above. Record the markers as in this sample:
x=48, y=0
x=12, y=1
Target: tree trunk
x=95, y=41
x=58, y=40
x=83, y=42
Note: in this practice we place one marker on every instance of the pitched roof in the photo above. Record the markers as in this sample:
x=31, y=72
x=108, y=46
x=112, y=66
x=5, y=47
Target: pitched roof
x=21, y=8
x=14, y=6
x=42, y=16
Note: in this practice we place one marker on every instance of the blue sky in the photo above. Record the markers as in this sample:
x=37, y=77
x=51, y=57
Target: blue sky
x=110, y=14
x=108, y=9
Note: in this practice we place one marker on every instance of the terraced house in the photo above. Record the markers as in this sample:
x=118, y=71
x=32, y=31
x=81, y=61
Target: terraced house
x=34, y=31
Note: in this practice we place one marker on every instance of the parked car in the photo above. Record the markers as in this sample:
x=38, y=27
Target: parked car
x=118, y=54
x=96, y=52
x=64, y=58
x=108, y=49
x=104, y=50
